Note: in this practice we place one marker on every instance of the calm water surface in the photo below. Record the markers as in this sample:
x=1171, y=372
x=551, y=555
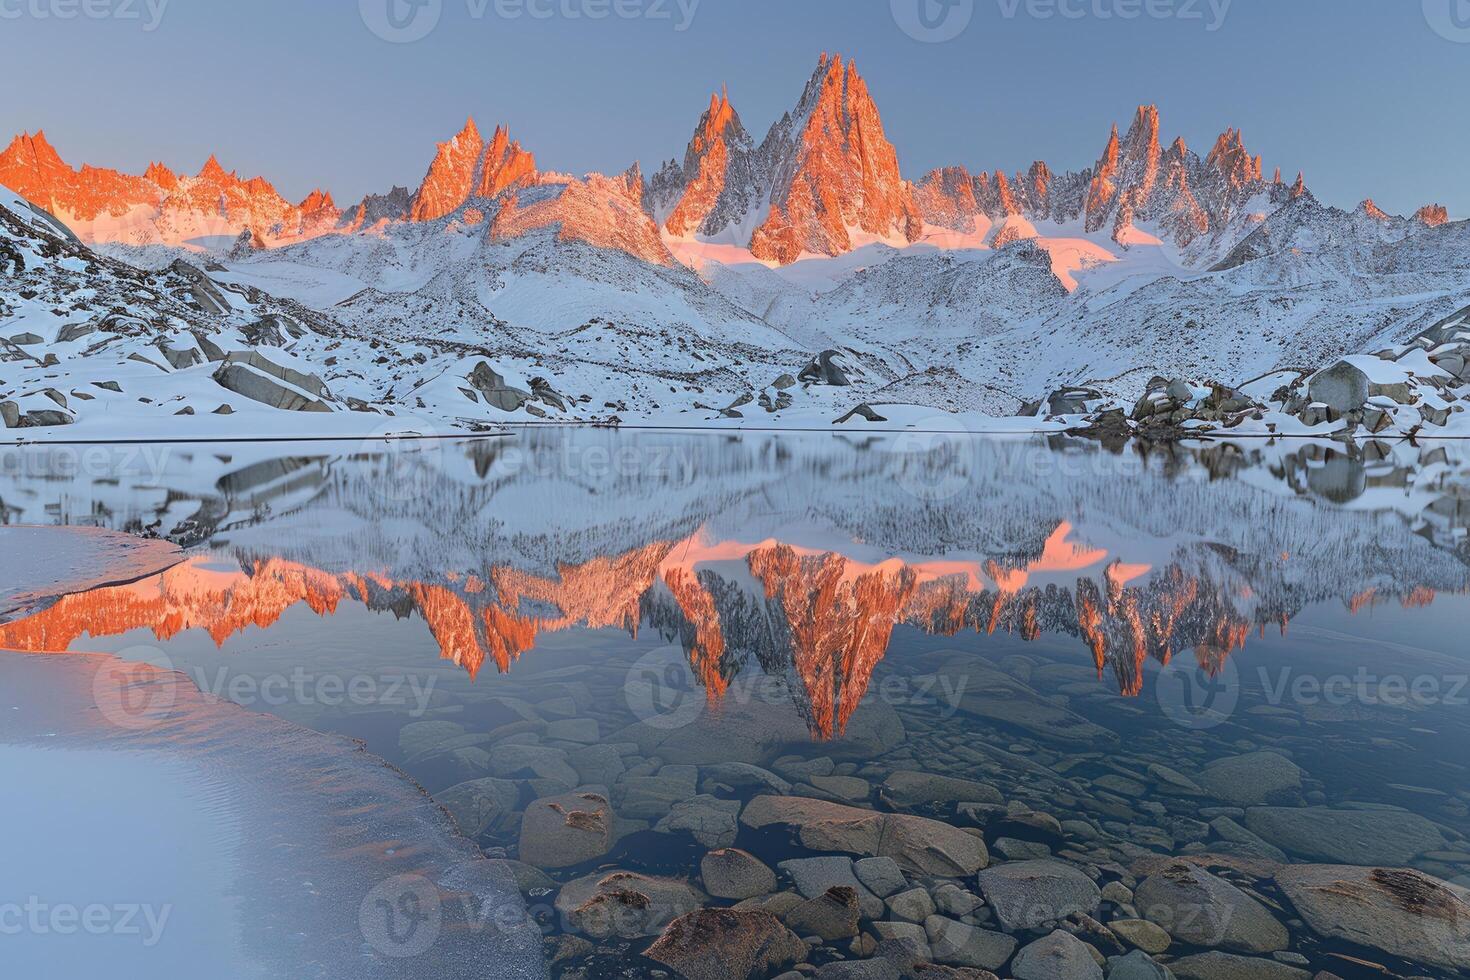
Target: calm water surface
x=1253, y=653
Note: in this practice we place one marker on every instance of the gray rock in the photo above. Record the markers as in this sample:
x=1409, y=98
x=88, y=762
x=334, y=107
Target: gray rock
x=481, y=805
x=583, y=730
x=1200, y=909
x=421, y=738
x=1369, y=837
x=736, y=875
x=742, y=775
x=827, y=368
x=915, y=843
x=562, y=831
x=711, y=821
x=1137, y=965
x=1249, y=780
x=907, y=788
x=255, y=377
x=493, y=388
x=813, y=877
x=651, y=797
x=954, y=901
x=1228, y=966
x=957, y=944
x=1026, y=894
x=914, y=905
x=10, y=414
x=1140, y=933
x=1059, y=956
x=510, y=761
x=881, y=875
x=1402, y=912
x=874, y=969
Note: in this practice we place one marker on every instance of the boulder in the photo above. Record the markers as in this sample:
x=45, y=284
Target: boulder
x=1141, y=934
x=833, y=915
x=1026, y=894
x=863, y=411
x=959, y=944
x=1401, y=912
x=481, y=805
x=1253, y=779
x=625, y=904
x=563, y=831
x=253, y=376
x=493, y=388
x=1228, y=966
x=1137, y=965
x=1367, y=837
x=736, y=875
x=827, y=368
x=711, y=821
x=881, y=875
x=1200, y=909
x=813, y=877
x=1059, y=956
x=906, y=789
x=727, y=944
x=10, y=414
x=1343, y=387
x=914, y=843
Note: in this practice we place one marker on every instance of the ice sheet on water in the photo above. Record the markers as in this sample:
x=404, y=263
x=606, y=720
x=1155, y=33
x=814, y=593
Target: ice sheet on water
x=246, y=846
x=39, y=563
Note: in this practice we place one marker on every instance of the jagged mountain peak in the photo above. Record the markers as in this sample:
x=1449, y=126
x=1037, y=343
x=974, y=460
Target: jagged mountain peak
x=1432, y=215
x=832, y=169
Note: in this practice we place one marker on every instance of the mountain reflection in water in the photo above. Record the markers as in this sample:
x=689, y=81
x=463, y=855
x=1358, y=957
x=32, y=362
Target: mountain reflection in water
x=795, y=556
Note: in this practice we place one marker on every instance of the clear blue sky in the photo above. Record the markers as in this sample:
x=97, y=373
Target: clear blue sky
x=1363, y=95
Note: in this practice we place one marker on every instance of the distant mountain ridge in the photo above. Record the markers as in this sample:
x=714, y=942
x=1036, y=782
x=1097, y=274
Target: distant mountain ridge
x=824, y=181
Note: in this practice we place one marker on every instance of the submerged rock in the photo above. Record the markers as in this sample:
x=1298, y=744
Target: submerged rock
x=1059, y=956
x=727, y=944
x=1200, y=909
x=915, y=843
x=625, y=904
x=563, y=831
x=1402, y=912
x=1248, y=780
x=1228, y=966
x=1370, y=837
x=1025, y=894
x=735, y=874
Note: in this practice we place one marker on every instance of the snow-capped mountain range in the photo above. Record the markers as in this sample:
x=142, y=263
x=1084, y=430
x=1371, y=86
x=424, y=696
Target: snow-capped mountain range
x=723, y=285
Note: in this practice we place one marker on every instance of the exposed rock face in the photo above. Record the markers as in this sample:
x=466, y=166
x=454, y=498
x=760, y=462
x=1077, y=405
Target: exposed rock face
x=713, y=944
x=160, y=205
x=718, y=183
x=1399, y=911
x=1432, y=215
x=831, y=169
x=252, y=375
x=1135, y=180
x=451, y=176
